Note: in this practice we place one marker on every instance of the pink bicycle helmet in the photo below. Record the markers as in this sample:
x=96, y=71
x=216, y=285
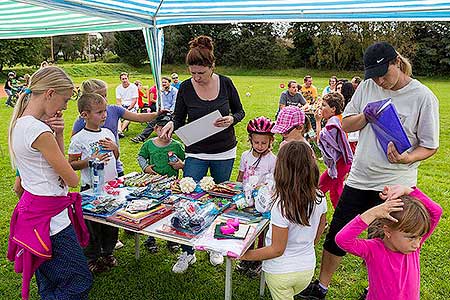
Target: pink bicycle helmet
x=261, y=125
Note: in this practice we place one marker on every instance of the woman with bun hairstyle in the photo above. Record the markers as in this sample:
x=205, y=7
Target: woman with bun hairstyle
x=198, y=96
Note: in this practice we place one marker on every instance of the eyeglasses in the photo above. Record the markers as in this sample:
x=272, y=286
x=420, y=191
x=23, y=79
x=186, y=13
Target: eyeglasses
x=174, y=77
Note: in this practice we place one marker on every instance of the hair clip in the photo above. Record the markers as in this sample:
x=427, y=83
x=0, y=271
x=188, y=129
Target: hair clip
x=27, y=91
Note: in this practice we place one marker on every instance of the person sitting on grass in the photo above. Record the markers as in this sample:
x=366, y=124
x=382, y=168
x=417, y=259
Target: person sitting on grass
x=154, y=159
x=92, y=142
x=404, y=222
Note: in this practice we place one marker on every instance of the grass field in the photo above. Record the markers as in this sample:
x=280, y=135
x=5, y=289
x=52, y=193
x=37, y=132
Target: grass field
x=151, y=278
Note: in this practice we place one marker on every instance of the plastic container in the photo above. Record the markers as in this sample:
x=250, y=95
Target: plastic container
x=98, y=176
x=172, y=157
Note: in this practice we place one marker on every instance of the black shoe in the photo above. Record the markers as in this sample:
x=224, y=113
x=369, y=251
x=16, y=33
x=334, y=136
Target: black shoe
x=173, y=247
x=150, y=245
x=312, y=292
x=255, y=269
x=243, y=266
x=364, y=294
x=120, y=135
x=138, y=139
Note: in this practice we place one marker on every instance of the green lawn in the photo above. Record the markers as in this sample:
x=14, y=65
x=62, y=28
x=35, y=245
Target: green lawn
x=151, y=278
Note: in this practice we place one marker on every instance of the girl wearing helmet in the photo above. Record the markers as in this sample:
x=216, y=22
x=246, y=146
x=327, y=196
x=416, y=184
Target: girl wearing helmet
x=259, y=160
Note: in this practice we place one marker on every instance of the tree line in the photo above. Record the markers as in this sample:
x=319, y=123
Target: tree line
x=328, y=45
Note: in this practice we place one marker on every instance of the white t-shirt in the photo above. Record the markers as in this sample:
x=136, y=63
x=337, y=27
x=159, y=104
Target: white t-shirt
x=85, y=142
x=248, y=165
x=299, y=254
x=127, y=94
x=38, y=177
x=418, y=110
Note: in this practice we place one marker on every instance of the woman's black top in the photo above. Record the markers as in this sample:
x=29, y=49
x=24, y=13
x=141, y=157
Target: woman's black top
x=189, y=106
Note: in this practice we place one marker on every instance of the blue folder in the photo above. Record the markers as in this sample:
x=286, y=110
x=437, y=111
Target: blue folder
x=387, y=126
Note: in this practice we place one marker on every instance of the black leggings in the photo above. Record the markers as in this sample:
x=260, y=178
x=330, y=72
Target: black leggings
x=352, y=203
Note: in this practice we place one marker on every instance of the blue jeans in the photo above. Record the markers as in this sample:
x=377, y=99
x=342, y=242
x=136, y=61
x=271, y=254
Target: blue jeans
x=66, y=275
x=198, y=168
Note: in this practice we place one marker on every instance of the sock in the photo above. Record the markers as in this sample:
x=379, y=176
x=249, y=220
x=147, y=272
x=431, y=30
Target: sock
x=323, y=288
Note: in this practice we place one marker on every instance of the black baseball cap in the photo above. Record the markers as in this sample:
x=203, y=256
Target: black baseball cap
x=377, y=58
x=163, y=119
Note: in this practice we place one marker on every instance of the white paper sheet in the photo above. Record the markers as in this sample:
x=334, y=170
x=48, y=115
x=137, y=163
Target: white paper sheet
x=199, y=129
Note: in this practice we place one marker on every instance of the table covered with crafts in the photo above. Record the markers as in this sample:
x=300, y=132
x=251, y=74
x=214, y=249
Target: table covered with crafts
x=205, y=215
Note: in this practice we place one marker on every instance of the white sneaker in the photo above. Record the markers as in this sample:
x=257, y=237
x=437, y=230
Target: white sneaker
x=118, y=245
x=184, y=261
x=215, y=258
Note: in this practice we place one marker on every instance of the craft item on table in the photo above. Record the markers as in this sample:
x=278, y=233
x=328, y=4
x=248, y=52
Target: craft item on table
x=175, y=187
x=240, y=201
x=140, y=220
x=385, y=122
x=227, y=245
x=143, y=179
x=192, y=217
x=169, y=230
x=195, y=196
x=207, y=183
x=221, y=203
x=100, y=206
x=226, y=190
x=116, y=183
x=162, y=185
x=135, y=206
x=222, y=231
x=110, y=190
x=263, y=194
x=245, y=217
x=147, y=193
x=187, y=185
x=97, y=175
x=171, y=199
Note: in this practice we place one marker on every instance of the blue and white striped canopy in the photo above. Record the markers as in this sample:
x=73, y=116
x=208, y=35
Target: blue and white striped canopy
x=20, y=18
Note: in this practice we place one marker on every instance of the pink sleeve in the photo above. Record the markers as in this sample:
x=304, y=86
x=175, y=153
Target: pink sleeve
x=434, y=209
x=347, y=239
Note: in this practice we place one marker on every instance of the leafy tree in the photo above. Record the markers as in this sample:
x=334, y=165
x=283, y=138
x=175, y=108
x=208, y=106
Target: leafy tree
x=21, y=51
x=130, y=47
x=71, y=47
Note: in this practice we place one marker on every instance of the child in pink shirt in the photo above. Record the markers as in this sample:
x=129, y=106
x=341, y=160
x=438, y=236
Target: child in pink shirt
x=405, y=221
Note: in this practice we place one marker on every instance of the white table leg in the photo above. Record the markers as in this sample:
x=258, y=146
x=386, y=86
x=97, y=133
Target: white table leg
x=136, y=246
x=262, y=285
x=228, y=279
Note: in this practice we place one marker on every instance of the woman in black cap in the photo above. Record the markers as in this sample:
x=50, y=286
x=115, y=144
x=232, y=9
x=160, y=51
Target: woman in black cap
x=387, y=75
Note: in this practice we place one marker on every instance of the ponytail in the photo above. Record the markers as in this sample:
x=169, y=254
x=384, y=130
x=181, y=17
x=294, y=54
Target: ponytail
x=50, y=77
x=405, y=65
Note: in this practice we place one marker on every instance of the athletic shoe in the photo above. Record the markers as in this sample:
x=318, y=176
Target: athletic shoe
x=109, y=261
x=255, y=269
x=119, y=245
x=150, y=245
x=183, y=262
x=215, y=258
x=312, y=292
x=121, y=135
x=364, y=294
x=173, y=247
x=137, y=139
x=97, y=266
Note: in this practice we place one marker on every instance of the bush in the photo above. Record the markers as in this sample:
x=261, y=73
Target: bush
x=111, y=58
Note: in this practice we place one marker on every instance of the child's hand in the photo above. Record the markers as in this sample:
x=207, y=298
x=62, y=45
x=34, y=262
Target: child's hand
x=56, y=123
x=149, y=170
x=318, y=115
x=178, y=165
x=394, y=192
x=104, y=157
x=108, y=144
x=382, y=211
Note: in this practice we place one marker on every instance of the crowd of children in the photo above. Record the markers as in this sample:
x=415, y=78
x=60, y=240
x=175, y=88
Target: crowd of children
x=403, y=217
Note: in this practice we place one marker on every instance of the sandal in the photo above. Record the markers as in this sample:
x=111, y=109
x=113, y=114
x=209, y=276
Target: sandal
x=95, y=266
x=109, y=261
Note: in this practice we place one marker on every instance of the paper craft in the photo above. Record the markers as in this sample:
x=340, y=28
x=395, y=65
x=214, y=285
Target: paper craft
x=199, y=129
x=387, y=126
x=240, y=234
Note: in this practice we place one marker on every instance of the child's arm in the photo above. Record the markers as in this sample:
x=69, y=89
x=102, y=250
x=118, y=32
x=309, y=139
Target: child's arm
x=276, y=249
x=178, y=165
x=318, y=118
x=320, y=228
x=145, y=166
x=434, y=209
x=347, y=238
x=47, y=145
x=18, y=189
x=240, y=176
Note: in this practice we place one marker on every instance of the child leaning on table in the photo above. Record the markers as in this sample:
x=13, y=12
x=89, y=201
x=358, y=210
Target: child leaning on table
x=405, y=221
x=89, y=143
x=298, y=217
x=154, y=159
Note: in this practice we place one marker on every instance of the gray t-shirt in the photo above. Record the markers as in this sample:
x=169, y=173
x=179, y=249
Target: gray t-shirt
x=287, y=99
x=418, y=110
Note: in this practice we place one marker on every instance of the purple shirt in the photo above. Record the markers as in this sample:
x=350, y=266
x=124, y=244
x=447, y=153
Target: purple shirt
x=114, y=113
